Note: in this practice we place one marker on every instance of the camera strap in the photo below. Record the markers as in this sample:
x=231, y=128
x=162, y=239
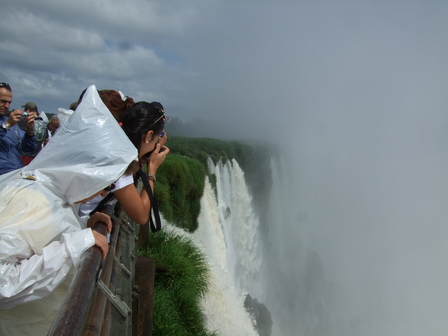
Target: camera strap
x=154, y=210
x=103, y=202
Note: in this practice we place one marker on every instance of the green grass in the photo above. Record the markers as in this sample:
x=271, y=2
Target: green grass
x=182, y=277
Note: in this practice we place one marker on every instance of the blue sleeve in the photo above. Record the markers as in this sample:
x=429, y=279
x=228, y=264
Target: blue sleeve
x=2, y=130
x=28, y=143
x=2, y=133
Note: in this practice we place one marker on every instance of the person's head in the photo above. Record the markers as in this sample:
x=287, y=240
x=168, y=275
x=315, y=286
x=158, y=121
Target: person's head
x=163, y=137
x=115, y=102
x=31, y=108
x=53, y=124
x=131, y=170
x=87, y=153
x=81, y=95
x=143, y=122
x=157, y=104
x=5, y=97
x=103, y=193
x=73, y=105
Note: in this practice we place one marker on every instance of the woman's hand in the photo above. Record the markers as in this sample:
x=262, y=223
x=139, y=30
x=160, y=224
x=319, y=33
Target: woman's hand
x=101, y=242
x=100, y=217
x=156, y=158
x=163, y=139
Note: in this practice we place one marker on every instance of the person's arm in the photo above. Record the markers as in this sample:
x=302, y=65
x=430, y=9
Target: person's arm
x=25, y=279
x=12, y=119
x=28, y=140
x=136, y=205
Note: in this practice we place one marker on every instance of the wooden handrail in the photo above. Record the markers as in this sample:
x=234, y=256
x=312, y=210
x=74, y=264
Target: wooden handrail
x=93, y=323
x=72, y=313
x=94, y=303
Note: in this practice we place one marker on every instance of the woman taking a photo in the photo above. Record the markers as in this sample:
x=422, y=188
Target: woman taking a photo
x=143, y=123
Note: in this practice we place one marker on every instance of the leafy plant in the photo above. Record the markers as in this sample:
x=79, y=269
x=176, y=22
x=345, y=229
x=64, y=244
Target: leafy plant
x=182, y=277
x=180, y=185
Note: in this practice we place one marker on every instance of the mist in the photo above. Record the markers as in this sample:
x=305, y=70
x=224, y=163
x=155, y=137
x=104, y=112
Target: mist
x=360, y=113
x=376, y=218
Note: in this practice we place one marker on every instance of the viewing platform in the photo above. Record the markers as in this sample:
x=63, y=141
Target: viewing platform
x=114, y=296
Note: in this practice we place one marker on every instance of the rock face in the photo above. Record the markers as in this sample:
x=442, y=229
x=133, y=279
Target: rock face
x=260, y=315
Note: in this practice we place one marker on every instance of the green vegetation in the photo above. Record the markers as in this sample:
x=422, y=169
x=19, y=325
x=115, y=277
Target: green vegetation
x=202, y=148
x=180, y=180
x=181, y=281
x=180, y=185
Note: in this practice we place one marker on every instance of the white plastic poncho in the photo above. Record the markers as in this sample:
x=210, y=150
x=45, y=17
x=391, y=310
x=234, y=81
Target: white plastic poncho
x=41, y=235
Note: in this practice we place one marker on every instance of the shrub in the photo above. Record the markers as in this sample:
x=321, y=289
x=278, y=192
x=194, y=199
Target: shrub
x=182, y=277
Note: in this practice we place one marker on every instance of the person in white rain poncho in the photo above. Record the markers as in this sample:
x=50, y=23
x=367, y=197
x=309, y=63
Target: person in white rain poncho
x=41, y=236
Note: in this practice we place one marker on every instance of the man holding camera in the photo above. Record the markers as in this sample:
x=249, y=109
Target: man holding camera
x=40, y=130
x=13, y=140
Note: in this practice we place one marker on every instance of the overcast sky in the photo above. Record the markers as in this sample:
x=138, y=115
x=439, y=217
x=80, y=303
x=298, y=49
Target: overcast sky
x=257, y=67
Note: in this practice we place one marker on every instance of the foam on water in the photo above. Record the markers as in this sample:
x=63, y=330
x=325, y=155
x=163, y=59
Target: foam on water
x=223, y=303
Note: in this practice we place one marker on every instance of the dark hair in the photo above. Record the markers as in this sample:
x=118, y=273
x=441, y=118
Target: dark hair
x=73, y=106
x=157, y=104
x=115, y=103
x=133, y=168
x=81, y=96
x=141, y=118
x=6, y=86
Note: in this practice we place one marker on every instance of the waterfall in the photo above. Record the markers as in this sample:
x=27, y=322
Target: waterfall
x=228, y=234
x=336, y=252
x=239, y=223
x=274, y=266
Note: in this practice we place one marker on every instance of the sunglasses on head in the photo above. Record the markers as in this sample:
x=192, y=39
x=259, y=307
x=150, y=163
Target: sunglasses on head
x=162, y=116
x=5, y=85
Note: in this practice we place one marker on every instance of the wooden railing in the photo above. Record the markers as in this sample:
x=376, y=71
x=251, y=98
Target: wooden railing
x=114, y=296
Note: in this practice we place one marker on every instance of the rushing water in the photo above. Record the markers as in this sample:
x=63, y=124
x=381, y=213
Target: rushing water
x=228, y=235
x=271, y=265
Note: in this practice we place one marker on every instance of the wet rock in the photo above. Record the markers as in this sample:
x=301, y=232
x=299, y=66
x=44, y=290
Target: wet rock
x=261, y=316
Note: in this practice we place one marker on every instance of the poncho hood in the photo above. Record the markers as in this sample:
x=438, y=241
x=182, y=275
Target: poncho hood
x=88, y=152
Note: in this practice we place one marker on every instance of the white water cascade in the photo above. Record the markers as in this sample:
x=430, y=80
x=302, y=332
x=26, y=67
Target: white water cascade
x=228, y=234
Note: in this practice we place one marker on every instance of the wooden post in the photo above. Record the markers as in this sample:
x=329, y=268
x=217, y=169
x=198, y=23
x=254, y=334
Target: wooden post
x=144, y=281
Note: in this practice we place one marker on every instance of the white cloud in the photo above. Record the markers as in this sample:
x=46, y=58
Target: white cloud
x=69, y=45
